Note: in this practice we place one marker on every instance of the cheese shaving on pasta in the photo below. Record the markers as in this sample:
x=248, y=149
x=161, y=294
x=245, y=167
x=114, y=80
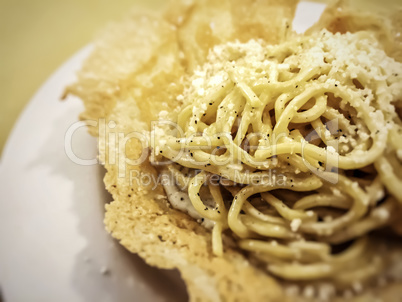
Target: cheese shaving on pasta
x=292, y=150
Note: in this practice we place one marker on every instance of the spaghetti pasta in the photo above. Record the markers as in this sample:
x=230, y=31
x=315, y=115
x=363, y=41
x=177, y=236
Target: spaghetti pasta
x=302, y=136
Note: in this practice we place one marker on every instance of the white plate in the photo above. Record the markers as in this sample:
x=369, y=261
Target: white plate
x=53, y=246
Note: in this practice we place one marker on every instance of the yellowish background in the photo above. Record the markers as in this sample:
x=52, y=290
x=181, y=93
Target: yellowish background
x=36, y=36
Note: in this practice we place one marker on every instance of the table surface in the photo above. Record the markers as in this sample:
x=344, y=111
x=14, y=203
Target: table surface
x=38, y=36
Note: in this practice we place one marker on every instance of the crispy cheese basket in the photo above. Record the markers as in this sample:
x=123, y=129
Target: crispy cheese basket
x=238, y=68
